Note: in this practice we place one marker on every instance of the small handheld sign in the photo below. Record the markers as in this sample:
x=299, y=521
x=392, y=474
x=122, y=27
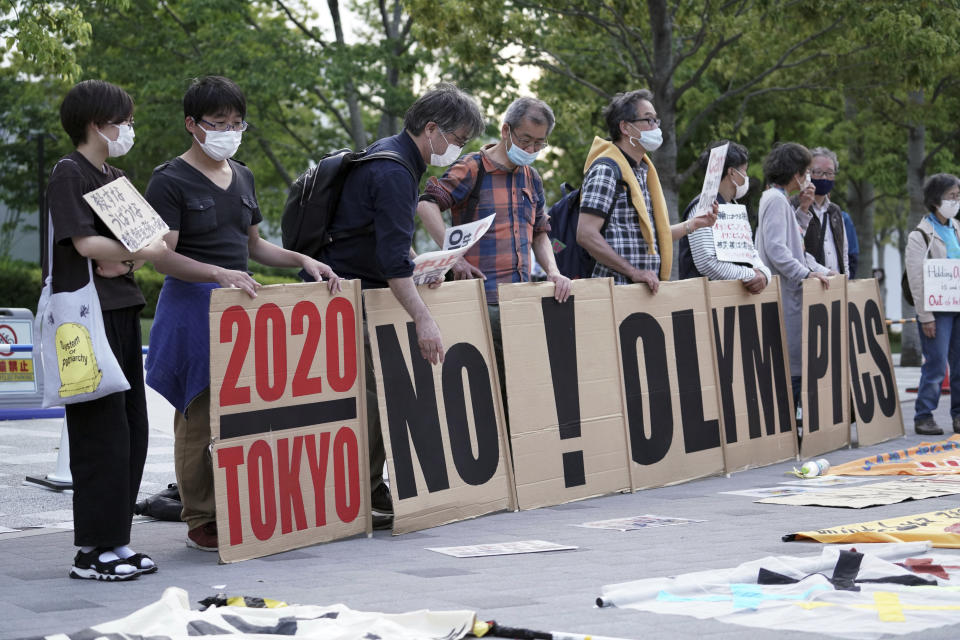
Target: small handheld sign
x=127, y=214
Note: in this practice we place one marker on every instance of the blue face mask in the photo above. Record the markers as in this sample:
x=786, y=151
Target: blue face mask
x=518, y=156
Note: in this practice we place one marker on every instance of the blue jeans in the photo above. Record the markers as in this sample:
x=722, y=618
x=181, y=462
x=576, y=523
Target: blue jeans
x=938, y=352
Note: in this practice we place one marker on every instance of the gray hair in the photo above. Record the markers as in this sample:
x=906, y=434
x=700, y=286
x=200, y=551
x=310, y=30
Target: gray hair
x=537, y=111
x=823, y=152
x=447, y=106
x=622, y=107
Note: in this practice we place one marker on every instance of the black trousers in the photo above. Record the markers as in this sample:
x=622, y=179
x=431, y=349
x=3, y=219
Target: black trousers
x=108, y=444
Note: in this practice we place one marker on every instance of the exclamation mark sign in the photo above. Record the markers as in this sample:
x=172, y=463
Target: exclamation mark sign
x=560, y=328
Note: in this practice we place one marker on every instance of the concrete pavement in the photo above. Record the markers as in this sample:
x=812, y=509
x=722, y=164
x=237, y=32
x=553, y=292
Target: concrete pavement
x=547, y=591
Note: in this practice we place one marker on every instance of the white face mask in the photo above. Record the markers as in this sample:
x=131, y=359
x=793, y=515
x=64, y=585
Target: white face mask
x=448, y=157
x=742, y=188
x=220, y=145
x=122, y=144
x=649, y=140
x=949, y=208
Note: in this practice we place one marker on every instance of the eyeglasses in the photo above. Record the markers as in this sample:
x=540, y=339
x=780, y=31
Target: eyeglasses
x=651, y=122
x=127, y=122
x=460, y=142
x=226, y=126
x=824, y=174
x=525, y=142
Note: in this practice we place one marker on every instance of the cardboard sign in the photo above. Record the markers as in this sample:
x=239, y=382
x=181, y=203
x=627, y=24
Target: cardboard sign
x=941, y=284
x=712, y=178
x=825, y=394
x=127, y=213
x=925, y=459
x=733, y=236
x=876, y=403
x=563, y=392
x=754, y=375
x=443, y=425
x=287, y=416
x=878, y=493
x=671, y=394
x=433, y=265
x=941, y=528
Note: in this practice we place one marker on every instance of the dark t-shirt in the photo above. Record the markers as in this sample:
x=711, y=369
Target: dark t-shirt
x=213, y=222
x=72, y=177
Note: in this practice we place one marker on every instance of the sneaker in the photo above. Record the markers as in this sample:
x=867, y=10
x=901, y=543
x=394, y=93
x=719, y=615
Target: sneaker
x=927, y=426
x=380, y=500
x=956, y=424
x=88, y=566
x=203, y=537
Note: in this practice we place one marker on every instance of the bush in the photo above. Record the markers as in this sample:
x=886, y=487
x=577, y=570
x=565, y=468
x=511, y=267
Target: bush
x=20, y=284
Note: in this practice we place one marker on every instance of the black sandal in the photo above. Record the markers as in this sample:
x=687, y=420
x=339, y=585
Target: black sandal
x=137, y=561
x=88, y=566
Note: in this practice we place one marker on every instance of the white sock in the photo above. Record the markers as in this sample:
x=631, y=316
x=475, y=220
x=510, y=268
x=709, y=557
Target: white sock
x=125, y=552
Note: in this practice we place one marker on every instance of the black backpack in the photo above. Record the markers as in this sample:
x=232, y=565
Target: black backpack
x=685, y=265
x=313, y=199
x=904, y=281
x=573, y=260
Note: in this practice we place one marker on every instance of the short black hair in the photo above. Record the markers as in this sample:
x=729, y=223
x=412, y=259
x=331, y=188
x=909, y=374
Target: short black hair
x=784, y=161
x=95, y=101
x=934, y=188
x=211, y=95
x=737, y=155
x=622, y=107
x=449, y=107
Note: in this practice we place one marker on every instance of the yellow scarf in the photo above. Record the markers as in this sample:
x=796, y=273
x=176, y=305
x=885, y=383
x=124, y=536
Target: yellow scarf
x=605, y=149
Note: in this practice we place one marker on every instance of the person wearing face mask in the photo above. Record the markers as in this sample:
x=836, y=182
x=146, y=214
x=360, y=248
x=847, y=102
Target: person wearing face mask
x=698, y=252
x=210, y=204
x=374, y=224
x=779, y=242
x=825, y=238
x=936, y=236
x=107, y=436
x=500, y=179
x=624, y=223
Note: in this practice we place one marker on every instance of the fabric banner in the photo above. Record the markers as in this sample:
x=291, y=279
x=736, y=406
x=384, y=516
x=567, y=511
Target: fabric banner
x=288, y=423
x=670, y=387
x=171, y=618
x=941, y=528
x=871, y=495
x=876, y=403
x=443, y=425
x=925, y=459
x=563, y=392
x=825, y=391
x=754, y=374
x=842, y=593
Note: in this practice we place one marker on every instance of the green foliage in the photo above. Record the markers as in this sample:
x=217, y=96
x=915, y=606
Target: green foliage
x=21, y=284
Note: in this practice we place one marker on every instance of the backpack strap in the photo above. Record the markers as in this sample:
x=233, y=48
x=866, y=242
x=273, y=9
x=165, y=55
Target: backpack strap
x=473, y=200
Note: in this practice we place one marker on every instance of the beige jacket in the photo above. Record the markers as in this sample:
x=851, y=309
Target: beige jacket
x=916, y=253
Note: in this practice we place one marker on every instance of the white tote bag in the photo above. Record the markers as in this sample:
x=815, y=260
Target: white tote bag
x=78, y=363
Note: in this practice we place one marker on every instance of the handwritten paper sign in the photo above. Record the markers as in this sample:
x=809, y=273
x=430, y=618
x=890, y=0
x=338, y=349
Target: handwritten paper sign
x=128, y=215
x=711, y=181
x=433, y=265
x=941, y=284
x=732, y=235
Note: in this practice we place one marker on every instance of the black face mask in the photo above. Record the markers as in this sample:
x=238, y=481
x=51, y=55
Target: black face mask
x=822, y=186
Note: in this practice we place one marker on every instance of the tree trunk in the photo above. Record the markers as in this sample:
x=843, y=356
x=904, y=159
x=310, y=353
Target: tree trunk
x=860, y=199
x=910, y=353
x=357, y=133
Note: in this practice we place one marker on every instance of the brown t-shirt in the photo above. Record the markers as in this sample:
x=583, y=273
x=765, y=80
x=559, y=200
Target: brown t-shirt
x=72, y=177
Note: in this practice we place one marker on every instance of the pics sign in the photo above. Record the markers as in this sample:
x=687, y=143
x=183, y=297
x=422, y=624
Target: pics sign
x=872, y=378
x=443, y=426
x=287, y=418
x=754, y=375
x=563, y=392
x=670, y=384
x=825, y=394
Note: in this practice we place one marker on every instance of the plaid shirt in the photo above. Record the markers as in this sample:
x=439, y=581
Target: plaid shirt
x=503, y=253
x=605, y=196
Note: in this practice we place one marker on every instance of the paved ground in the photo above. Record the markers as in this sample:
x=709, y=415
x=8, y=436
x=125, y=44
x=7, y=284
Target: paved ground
x=541, y=591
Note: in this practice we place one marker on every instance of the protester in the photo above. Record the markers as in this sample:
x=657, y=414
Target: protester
x=936, y=236
x=698, y=251
x=382, y=195
x=853, y=245
x=826, y=237
x=629, y=243
x=210, y=205
x=500, y=179
x=779, y=241
x=107, y=436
